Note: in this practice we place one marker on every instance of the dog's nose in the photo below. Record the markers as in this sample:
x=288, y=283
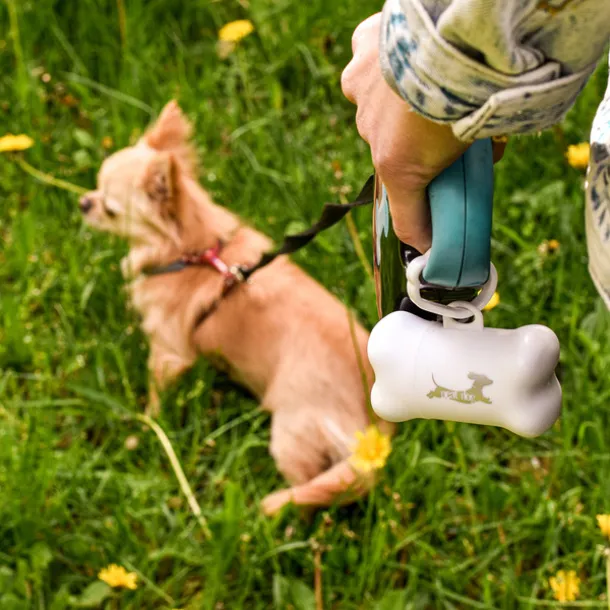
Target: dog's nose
x=85, y=204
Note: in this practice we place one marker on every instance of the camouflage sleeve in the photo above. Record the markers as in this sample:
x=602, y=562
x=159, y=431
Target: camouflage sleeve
x=492, y=67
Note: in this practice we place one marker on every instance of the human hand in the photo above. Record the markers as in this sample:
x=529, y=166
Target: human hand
x=408, y=150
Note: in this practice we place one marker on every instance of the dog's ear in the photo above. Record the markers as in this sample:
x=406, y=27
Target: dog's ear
x=171, y=133
x=159, y=182
x=172, y=129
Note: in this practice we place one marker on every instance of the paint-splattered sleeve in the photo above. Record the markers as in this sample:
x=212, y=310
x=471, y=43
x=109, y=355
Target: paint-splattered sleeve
x=492, y=67
x=597, y=210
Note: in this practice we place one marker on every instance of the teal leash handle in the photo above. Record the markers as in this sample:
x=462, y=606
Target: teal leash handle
x=459, y=261
x=461, y=201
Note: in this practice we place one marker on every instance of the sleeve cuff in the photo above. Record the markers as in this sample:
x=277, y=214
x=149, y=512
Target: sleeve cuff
x=445, y=85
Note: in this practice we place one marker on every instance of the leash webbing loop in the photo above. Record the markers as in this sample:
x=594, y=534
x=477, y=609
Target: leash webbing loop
x=332, y=213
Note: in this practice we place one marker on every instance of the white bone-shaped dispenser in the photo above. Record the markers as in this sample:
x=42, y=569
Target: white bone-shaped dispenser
x=464, y=372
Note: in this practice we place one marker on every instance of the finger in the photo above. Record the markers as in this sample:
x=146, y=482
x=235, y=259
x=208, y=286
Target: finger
x=362, y=124
x=364, y=28
x=410, y=210
x=347, y=85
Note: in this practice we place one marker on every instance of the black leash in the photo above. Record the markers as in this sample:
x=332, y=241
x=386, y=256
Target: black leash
x=332, y=213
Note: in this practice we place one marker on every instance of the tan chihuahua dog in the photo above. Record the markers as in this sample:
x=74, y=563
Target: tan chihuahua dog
x=281, y=334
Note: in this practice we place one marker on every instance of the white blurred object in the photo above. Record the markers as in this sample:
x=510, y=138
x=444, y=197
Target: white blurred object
x=461, y=371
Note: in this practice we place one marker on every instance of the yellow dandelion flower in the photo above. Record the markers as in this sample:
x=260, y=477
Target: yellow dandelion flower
x=604, y=524
x=565, y=585
x=11, y=143
x=553, y=245
x=118, y=576
x=236, y=30
x=548, y=245
x=493, y=302
x=578, y=155
x=371, y=450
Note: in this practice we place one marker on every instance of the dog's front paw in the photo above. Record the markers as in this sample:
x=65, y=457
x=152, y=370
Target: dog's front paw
x=127, y=268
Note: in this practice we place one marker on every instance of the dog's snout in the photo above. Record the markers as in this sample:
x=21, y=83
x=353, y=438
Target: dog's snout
x=85, y=204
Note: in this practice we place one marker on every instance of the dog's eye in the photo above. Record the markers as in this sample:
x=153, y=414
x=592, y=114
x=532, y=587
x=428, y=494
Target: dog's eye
x=108, y=211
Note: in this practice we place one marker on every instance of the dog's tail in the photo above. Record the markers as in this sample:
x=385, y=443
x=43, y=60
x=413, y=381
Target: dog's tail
x=341, y=484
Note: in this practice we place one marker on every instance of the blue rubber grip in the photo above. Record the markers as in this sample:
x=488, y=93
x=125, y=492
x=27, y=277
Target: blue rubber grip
x=461, y=201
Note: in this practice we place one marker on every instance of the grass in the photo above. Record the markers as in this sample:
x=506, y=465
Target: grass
x=465, y=517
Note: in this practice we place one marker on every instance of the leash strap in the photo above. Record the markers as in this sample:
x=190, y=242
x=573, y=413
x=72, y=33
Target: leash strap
x=178, y=265
x=332, y=213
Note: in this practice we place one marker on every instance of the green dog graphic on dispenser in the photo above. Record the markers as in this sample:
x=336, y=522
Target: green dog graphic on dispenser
x=473, y=394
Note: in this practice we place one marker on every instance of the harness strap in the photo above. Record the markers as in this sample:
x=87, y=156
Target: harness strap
x=332, y=213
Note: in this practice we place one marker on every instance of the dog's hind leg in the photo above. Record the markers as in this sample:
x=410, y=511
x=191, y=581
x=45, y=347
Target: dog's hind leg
x=318, y=469
x=295, y=445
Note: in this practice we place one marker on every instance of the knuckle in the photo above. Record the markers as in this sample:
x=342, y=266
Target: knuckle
x=385, y=163
x=357, y=35
x=362, y=125
x=410, y=175
x=369, y=25
x=347, y=83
